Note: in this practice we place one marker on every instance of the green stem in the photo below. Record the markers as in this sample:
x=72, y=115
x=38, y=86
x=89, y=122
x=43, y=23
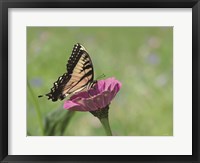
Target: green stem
x=39, y=115
x=106, y=126
x=66, y=121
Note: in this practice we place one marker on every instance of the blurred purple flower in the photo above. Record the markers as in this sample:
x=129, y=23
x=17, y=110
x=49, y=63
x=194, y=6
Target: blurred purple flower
x=95, y=98
x=36, y=82
x=153, y=59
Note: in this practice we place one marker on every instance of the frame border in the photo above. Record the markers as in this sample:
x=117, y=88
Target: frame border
x=6, y=4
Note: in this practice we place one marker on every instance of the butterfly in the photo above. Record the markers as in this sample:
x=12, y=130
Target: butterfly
x=79, y=75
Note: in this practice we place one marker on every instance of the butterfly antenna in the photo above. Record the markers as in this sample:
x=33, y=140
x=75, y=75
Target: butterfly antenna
x=101, y=76
x=43, y=95
x=40, y=96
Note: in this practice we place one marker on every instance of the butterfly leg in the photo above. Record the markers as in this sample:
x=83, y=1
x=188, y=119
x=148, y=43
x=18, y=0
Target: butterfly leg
x=91, y=86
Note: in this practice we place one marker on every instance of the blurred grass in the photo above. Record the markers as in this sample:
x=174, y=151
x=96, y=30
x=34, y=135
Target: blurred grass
x=140, y=57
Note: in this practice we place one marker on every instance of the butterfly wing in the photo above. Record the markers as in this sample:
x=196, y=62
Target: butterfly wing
x=56, y=90
x=79, y=74
x=80, y=68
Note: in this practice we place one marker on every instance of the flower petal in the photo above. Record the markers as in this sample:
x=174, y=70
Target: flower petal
x=99, y=101
x=100, y=86
x=95, y=98
x=80, y=94
x=89, y=104
x=70, y=105
x=107, y=98
x=115, y=89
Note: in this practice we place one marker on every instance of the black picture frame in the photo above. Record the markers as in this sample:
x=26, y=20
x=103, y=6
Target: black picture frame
x=6, y=4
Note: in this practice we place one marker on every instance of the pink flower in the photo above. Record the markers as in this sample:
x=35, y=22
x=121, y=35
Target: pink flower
x=95, y=98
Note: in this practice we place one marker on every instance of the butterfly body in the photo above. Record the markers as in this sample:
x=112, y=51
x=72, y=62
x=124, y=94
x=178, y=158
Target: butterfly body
x=79, y=75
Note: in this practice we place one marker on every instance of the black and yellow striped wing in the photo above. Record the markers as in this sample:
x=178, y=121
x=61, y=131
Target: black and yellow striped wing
x=79, y=75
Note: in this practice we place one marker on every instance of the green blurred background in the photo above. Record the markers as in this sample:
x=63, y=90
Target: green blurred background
x=141, y=58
